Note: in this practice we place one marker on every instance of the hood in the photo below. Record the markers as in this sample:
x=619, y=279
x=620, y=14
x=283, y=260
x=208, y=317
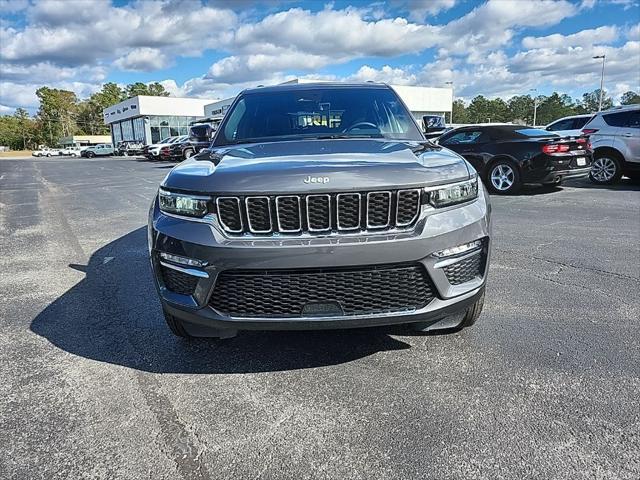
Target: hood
x=318, y=166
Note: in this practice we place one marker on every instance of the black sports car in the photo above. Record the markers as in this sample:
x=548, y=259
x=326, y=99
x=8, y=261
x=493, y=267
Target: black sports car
x=508, y=156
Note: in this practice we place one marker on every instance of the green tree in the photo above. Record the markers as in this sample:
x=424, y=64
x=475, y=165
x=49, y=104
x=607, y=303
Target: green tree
x=553, y=107
x=90, y=111
x=479, y=110
x=154, y=89
x=590, y=101
x=521, y=109
x=630, y=98
x=483, y=110
x=56, y=114
x=25, y=126
x=459, y=112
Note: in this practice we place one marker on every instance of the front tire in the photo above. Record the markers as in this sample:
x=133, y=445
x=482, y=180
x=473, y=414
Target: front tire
x=90, y=154
x=503, y=177
x=188, y=153
x=175, y=325
x=452, y=324
x=606, y=169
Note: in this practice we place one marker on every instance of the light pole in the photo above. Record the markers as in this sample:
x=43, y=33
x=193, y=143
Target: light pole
x=601, y=80
x=535, y=105
x=452, y=100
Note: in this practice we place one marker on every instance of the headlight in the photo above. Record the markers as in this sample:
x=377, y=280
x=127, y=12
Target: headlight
x=183, y=204
x=452, y=194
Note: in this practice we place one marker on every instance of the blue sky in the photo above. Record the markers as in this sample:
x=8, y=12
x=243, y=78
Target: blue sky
x=213, y=49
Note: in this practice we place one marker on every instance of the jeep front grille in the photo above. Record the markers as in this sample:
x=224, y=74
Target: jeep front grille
x=365, y=290
x=317, y=213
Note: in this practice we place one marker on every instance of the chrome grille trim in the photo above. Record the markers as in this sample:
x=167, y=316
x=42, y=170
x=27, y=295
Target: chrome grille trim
x=417, y=207
x=328, y=197
x=280, y=229
x=389, y=195
x=340, y=195
x=246, y=206
x=224, y=225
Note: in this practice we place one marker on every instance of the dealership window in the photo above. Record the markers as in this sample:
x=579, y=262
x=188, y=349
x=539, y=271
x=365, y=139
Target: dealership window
x=116, y=133
x=138, y=129
x=169, y=126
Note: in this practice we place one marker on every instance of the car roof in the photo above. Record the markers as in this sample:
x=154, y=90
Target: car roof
x=315, y=86
x=582, y=115
x=621, y=108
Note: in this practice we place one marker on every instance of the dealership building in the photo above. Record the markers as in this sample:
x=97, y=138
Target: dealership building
x=148, y=119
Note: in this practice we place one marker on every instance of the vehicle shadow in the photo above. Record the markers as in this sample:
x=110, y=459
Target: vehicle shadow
x=624, y=184
x=113, y=315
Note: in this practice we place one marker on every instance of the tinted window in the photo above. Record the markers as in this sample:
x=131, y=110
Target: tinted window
x=532, y=132
x=468, y=136
x=311, y=113
x=619, y=119
x=580, y=122
x=562, y=125
x=634, y=119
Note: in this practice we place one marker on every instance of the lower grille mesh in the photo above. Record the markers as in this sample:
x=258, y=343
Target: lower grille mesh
x=465, y=270
x=354, y=291
x=178, y=282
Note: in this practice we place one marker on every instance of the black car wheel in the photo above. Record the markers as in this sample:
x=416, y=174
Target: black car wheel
x=90, y=154
x=451, y=324
x=188, y=153
x=606, y=169
x=175, y=325
x=503, y=177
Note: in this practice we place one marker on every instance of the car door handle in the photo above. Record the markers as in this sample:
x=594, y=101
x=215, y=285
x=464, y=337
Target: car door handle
x=627, y=135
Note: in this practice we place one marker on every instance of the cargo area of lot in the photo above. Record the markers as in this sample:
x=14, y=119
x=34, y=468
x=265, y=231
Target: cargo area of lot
x=93, y=385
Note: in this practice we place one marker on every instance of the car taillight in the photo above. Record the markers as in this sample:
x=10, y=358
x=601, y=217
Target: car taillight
x=589, y=131
x=585, y=141
x=555, y=148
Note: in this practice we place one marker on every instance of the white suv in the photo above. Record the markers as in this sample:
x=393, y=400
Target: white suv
x=615, y=137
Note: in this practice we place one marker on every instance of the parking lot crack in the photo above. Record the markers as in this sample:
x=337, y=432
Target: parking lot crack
x=183, y=446
x=568, y=265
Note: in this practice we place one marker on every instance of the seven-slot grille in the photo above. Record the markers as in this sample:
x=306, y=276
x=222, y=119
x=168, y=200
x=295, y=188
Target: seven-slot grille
x=361, y=290
x=317, y=213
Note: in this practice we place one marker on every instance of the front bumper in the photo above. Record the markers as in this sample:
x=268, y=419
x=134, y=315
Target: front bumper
x=204, y=240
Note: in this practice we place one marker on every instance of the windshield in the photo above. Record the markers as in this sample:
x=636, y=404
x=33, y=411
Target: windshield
x=317, y=113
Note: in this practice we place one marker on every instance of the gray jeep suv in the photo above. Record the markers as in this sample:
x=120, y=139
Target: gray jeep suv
x=319, y=206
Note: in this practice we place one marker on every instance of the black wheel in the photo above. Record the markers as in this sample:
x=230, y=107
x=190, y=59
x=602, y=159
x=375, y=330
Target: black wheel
x=453, y=323
x=175, y=325
x=473, y=313
x=503, y=177
x=188, y=153
x=90, y=154
x=48, y=154
x=606, y=168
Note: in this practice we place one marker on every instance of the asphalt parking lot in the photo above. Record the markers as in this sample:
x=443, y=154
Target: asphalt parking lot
x=92, y=384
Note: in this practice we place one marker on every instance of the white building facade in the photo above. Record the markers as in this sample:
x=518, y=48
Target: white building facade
x=149, y=119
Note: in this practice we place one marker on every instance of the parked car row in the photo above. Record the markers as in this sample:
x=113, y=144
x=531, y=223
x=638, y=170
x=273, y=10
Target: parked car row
x=603, y=146
x=54, y=152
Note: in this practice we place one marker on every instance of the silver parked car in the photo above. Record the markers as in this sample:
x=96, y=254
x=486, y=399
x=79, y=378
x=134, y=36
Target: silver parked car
x=320, y=206
x=615, y=137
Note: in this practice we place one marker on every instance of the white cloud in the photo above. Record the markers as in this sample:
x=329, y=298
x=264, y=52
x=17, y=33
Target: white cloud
x=584, y=38
x=387, y=74
x=143, y=59
x=419, y=10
